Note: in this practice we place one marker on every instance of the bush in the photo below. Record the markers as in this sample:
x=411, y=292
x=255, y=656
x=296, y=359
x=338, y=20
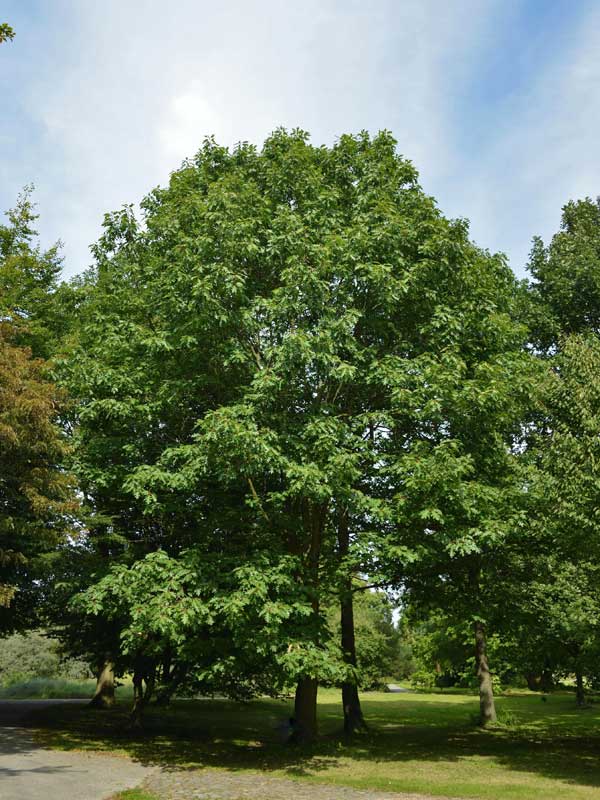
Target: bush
x=423, y=679
x=35, y=655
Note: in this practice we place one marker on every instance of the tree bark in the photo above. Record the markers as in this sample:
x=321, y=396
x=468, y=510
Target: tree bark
x=546, y=682
x=104, y=696
x=305, y=704
x=580, y=692
x=305, y=711
x=353, y=717
x=139, y=701
x=487, y=707
x=534, y=681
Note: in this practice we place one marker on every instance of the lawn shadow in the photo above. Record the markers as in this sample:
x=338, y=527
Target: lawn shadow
x=553, y=740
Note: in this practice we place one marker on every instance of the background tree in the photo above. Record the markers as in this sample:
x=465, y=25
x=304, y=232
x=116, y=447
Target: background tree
x=565, y=322
x=566, y=276
x=7, y=34
x=37, y=495
x=563, y=489
x=452, y=469
x=378, y=646
x=31, y=295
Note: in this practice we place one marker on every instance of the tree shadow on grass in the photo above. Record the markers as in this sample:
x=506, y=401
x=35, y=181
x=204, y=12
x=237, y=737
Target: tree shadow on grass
x=556, y=743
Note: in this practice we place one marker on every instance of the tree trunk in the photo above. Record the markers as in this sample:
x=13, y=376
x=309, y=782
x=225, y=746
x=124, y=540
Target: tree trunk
x=487, y=707
x=534, y=681
x=353, y=717
x=305, y=711
x=139, y=701
x=305, y=704
x=104, y=696
x=580, y=692
x=170, y=684
x=546, y=682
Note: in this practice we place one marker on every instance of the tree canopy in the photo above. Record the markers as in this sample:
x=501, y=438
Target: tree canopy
x=289, y=381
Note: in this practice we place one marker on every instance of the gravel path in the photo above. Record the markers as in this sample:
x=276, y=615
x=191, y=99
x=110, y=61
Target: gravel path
x=30, y=772
x=209, y=784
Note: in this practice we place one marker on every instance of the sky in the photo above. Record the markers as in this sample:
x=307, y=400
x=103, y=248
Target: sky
x=496, y=102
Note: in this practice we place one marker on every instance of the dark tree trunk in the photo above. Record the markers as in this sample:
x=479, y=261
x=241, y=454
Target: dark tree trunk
x=104, y=696
x=546, y=681
x=170, y=683
x=534, y=681
x=580, y=692
x=305, y=704
x=305, y=711
x=487, y=707
x=150, y=686
x=139, y=701
x=353, y=717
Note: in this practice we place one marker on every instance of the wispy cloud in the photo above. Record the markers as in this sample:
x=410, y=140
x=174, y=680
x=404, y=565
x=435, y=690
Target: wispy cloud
x=542, y=145
x=107, y=98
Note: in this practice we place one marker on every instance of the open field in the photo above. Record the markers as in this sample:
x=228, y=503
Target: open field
x=417, y=742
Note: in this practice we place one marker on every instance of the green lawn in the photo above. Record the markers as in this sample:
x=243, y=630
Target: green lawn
x=417, y=742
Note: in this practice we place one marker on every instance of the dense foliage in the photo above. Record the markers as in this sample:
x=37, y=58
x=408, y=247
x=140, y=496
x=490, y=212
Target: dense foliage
x=292, y=381
x=37, y=494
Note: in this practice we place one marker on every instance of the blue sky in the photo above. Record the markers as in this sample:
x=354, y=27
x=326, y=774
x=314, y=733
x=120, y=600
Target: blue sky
x=497, y=102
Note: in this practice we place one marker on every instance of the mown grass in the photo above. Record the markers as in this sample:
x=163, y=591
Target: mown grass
x=417, y=742
x=134, y=794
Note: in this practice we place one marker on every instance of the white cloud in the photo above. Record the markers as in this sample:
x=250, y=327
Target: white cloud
x=129, y=89
x=544, y=150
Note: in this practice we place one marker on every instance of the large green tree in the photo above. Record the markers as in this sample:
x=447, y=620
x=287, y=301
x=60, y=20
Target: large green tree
x=296, y=363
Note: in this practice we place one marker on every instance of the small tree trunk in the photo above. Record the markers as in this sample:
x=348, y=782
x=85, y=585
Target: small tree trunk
x=353, y=717
x=546, y=682
x=305, y=711
x=139, y=701
x=150, y=685
x=533, y=681
x=487, y=707
x=170, y=685
x=580, y=692
x=104, y=696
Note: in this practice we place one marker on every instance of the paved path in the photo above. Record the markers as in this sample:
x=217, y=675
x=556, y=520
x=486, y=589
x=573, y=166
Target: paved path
x=396, y=689
x=30, y=772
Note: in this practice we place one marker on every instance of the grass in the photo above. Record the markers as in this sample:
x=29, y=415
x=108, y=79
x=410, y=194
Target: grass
x=134, y=794
x=47, y=689
x=55, y=689
x=417, y=742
